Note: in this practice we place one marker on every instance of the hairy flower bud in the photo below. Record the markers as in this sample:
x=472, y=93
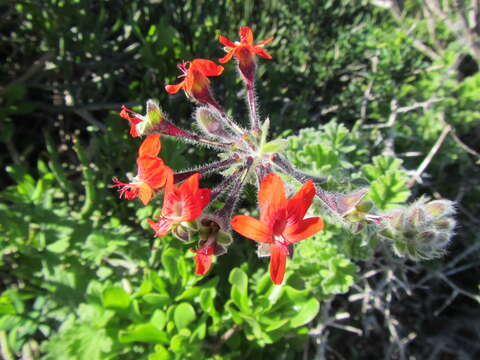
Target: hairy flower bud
x=209, y=120
x=422, y=230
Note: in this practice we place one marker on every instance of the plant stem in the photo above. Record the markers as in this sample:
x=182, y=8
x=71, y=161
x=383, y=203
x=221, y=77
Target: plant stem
x=252, y=107
x=226, y=211
x=286, y=167
x=215, y=166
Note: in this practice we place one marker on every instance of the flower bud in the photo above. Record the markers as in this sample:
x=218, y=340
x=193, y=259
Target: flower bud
x=421, y=230
x=210, y=122
x=439, y=208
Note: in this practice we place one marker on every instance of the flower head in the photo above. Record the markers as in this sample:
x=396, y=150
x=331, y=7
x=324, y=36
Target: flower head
x=244, y=51
x=181, y=205
x=152, y=173
x=195, y=80
x=281, y=222
x=143, y=125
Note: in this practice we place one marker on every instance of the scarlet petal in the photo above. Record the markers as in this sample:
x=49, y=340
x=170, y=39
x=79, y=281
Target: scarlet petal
x=193, y=198
x=173, y=89
x=246, y=35
x=203, y=263
x=303, y=229
x=252, y=228
x=266, y=41
x=271, y=198
x=299, y=203
x=145, y=193
x=152, y=171
x=226, y=42
x=227, y=57
x=278, y=261
x=207, y=67
x=261, y=52
x=150, y=146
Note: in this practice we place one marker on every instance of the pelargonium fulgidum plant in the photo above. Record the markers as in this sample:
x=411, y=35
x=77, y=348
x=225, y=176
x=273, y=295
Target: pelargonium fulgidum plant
x=245, y=156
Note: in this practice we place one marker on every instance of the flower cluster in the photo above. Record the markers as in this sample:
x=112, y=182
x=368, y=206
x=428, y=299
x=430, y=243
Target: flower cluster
x=245, y=156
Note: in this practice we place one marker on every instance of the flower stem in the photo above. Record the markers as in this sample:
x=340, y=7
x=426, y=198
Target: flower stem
x=166, y=127
x=287, y=168
x=215, y=166
x=252, y=107
x=226, y=211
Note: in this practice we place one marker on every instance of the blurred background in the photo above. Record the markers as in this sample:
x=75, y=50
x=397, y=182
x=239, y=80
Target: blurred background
x=383, y=92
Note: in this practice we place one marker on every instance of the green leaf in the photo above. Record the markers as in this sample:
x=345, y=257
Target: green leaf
x=159, y=319
x=160, y=354
x=115, y=297
x=277, y=145
x=169, y=261
x=157, y=299
x=144, y=333
x=306, y=312
x=239, y=291
x=59, y=246
x=183, y=315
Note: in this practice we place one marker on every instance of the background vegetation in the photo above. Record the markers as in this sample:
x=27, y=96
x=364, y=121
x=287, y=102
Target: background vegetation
x=383, y=92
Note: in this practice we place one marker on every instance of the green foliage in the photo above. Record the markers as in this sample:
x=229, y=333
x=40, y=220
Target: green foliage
x=82, y=280
x=270, y=311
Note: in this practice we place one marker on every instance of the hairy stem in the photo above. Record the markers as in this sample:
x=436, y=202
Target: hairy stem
x=287, y=168
x=215, y=166
x=252, y=107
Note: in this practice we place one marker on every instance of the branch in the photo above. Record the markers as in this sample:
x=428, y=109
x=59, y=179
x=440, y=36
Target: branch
x=430, y=156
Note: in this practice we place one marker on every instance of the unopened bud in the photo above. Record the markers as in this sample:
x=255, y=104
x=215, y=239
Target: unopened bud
x=210, y=122
x=416, y=218
x=445, y=224
x=422, y=230
x=439, y=208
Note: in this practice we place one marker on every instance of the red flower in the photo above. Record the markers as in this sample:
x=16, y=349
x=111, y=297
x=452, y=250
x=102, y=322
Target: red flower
x=281, y=221
x=144, y=125
x=134, y=121
x=244, y=51
x=203, y=259
x=196, y=83
x=183, y=203
x=152, y=174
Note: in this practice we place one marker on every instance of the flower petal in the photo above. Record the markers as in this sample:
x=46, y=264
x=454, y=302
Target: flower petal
x=207, y=67
x=272, y=200
x=246, y=35
x=153, y=171
x=266, y=41
x=252, y=228
x=303, y=229
x=150, y=146
x=173, y=89
x=202, y=263
x=261, y=52
x=227, y=57
x=194, y=198
x=299, y=203
x=145, y=193
x=226, y=41
x=278, y=262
